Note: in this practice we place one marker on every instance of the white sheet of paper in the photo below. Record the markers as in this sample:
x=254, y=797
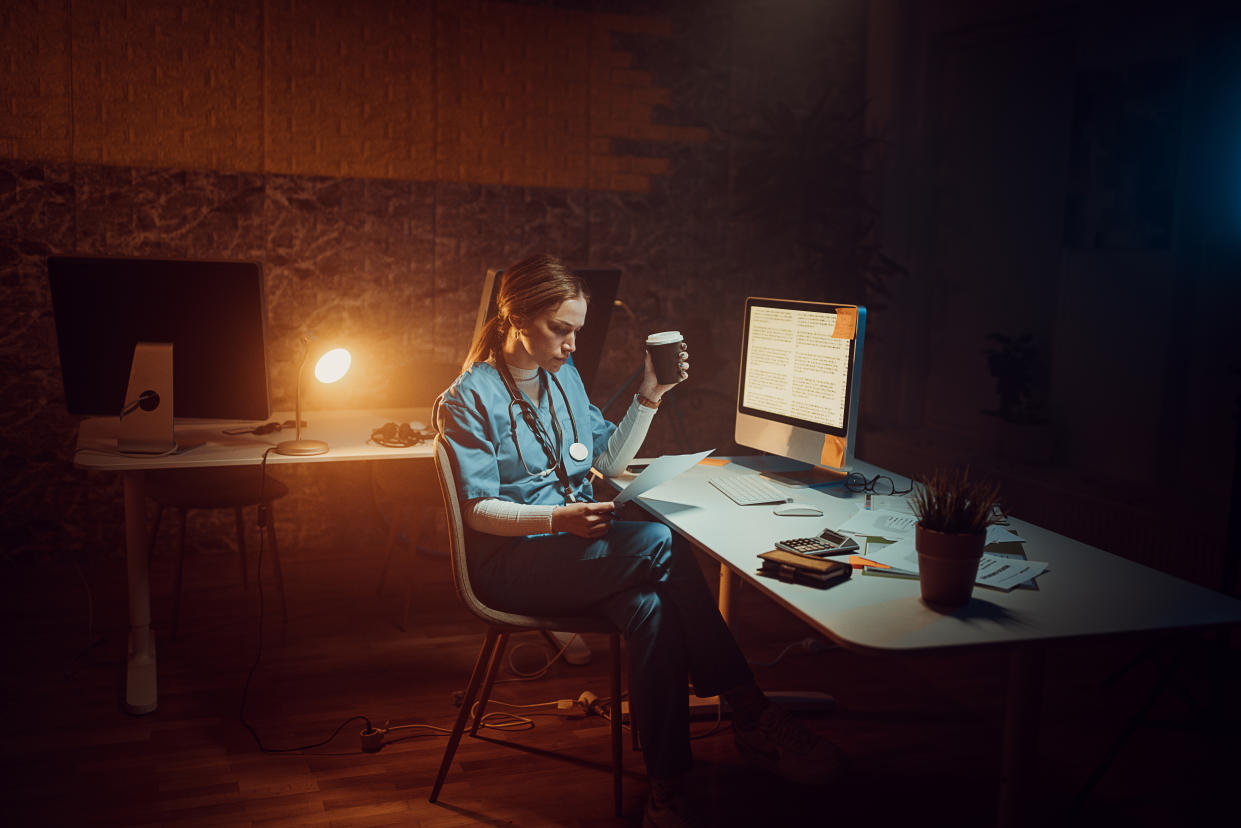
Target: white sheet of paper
x=660, y=470
x=892, y=503
x=880, y=523
x=993, y=570
x=901, y=555
x=896, y=525
x=1006, y=573
x=1001, y=533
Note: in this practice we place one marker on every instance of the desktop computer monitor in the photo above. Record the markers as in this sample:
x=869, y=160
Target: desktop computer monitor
x=602, y=283
x=211, y=311
x=801, y=370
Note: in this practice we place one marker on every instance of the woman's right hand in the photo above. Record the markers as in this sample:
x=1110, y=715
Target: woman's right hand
x=586, y=520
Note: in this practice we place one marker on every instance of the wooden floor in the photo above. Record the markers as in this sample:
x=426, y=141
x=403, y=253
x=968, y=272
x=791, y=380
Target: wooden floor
x=923, y=734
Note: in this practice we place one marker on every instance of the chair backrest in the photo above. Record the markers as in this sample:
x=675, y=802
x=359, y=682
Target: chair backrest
x=446, y=467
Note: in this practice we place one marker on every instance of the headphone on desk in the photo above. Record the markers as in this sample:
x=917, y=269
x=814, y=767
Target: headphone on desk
x=403, y=435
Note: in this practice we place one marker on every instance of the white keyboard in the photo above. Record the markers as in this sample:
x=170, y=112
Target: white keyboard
x=749, y=489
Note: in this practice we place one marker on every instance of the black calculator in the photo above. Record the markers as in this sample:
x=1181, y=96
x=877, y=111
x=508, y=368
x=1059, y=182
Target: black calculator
x=828, y=542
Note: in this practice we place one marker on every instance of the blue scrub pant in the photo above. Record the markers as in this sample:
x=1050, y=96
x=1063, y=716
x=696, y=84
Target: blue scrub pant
x=653, y=593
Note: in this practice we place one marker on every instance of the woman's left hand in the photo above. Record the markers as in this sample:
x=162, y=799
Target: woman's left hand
x=650, y=387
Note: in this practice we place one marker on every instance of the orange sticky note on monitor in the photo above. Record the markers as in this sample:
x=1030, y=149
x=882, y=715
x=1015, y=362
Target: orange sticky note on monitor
x=833, y=454
x=846, y=323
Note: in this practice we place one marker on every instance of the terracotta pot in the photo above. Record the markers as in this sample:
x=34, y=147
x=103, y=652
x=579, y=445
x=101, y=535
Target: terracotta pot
x=947, y=565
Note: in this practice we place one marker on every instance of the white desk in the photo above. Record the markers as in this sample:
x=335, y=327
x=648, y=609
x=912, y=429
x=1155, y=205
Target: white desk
x=346, y=432
x=1085, y=592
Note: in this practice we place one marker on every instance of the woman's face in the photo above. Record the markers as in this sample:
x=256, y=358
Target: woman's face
x=547, y=340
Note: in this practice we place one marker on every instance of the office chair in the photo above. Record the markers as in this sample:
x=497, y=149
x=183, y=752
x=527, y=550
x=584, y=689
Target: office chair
x=499, y=626
x=231, y=487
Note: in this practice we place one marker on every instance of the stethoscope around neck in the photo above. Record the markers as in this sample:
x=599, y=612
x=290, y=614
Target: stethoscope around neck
x=550, y=443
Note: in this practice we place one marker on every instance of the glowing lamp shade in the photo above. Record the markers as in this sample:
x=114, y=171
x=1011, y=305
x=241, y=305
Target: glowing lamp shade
x=333, y=365
x=329, y=368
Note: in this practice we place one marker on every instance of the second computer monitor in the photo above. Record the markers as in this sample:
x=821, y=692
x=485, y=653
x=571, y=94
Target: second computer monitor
x=801, y=370
x=211, y=311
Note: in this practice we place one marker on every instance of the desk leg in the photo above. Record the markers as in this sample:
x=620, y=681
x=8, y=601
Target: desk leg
x=726, y=594
x=141, y=695
x=1021, y=725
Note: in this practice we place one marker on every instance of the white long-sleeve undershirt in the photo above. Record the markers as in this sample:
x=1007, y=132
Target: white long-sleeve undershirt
x=502, y=517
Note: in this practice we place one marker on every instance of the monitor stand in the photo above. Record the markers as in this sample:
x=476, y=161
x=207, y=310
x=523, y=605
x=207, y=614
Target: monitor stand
x=146, y=417
x=786, y=472
x=812, y=476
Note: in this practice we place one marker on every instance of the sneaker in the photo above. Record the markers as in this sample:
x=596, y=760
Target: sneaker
x=784, y=746
x=578, y=651
x=675, y=813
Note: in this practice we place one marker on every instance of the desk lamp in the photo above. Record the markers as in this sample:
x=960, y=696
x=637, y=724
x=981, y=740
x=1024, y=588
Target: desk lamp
x=329, y=368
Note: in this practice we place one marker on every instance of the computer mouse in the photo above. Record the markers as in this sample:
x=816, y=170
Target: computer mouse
x=797, y=510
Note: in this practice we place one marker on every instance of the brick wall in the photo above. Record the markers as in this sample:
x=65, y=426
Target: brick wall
x=479, y=92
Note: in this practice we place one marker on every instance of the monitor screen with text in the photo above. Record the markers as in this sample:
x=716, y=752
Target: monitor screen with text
x=796, y=364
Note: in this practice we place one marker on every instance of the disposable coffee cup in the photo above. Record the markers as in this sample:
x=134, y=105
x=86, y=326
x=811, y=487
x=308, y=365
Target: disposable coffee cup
x=665, y=351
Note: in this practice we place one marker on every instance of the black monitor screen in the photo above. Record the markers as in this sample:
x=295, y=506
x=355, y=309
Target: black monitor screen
x=211, y=311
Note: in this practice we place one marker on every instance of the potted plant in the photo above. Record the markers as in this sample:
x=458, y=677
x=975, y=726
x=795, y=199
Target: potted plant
x=953, y=513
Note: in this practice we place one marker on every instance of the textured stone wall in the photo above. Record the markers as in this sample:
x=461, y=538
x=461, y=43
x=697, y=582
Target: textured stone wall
x=358, y=242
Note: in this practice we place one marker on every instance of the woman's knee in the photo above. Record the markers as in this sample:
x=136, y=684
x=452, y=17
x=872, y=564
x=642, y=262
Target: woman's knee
x=645, y=614
x=649, y=535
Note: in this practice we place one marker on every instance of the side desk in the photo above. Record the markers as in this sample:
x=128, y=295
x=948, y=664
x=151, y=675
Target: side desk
x=1085, y=592
x=346, y=432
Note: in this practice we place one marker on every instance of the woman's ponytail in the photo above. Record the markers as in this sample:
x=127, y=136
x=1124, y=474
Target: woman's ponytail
x=489, y=340
x=526, y=289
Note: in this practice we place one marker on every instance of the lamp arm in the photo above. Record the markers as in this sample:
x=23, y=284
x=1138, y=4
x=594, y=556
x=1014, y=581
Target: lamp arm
x=297, y=405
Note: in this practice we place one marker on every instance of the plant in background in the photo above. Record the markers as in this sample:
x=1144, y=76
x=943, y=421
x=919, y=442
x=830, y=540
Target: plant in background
x=949, y=501
x=1015, y=363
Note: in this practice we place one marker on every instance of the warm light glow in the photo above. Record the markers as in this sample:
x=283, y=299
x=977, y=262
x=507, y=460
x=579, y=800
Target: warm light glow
x=333, y=365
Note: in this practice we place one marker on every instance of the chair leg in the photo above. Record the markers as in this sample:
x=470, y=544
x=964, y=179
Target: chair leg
x=496, y=657
x=176, y=601
x=241, y=546
x=483, y=665
x=159, y=516
x=617, y=752
x=275, y=559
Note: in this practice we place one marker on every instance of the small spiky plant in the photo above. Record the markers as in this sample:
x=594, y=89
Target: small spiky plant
x=949, y=501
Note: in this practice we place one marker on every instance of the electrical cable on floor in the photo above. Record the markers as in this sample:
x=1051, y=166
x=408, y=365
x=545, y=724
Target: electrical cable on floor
x=809, y=645
x=509, y=721
x=92, y=640
x=372, y=738
x=264, y=516
x=537, y=674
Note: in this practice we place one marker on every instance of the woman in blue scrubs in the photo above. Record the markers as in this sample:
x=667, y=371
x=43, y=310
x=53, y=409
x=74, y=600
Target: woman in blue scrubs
x=525, y=437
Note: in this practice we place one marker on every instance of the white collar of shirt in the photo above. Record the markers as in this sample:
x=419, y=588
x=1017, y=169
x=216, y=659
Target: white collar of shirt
x=527, y=380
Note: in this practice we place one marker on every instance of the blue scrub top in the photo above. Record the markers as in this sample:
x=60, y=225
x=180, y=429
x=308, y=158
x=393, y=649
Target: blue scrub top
x=474, y=417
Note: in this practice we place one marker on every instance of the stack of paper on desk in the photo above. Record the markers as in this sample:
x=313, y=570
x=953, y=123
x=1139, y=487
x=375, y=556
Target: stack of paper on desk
x=891, y=550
